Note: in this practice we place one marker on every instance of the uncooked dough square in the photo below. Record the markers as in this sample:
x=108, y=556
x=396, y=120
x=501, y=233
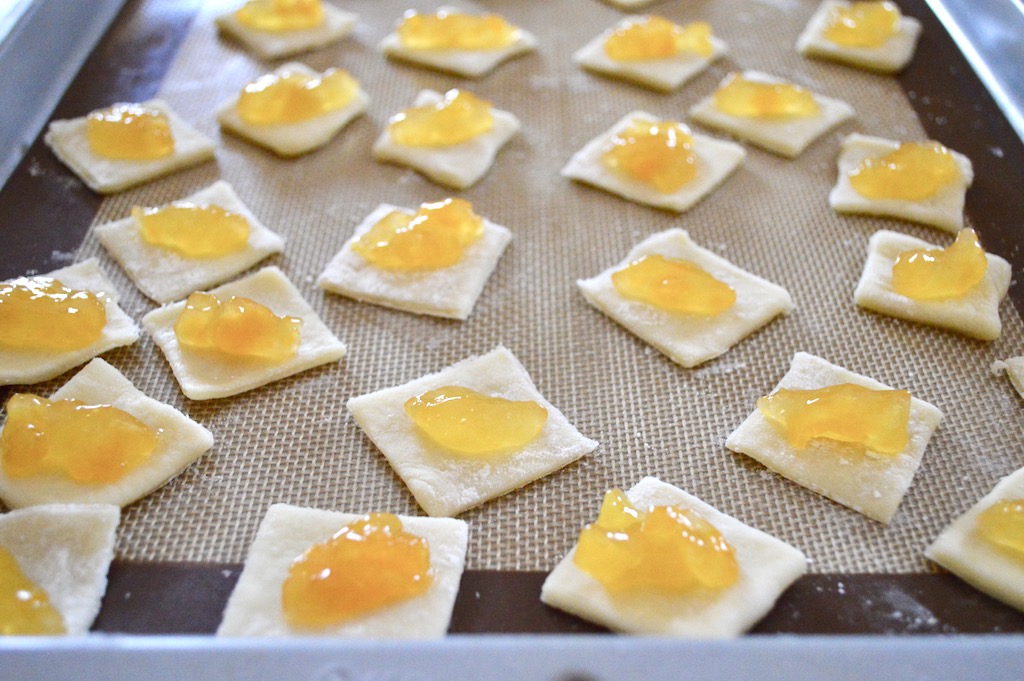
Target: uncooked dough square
x=870, y=484
x=180, y=441
x=972, y=558
x=767, y=567
x=945, y=210
x=689, y=339
x=459, y=165
x=976, y=314
x=28, y=366
x=68, y=140
x=276, y=44
x=254, y=608
x=784, y=136
x=293, y=139
x=716, y=159
x=205, y=376
x=1014, y=367
x=66, y=550
x=445, y=484
x=450, y=292
x=166, y=276
x=890, y=57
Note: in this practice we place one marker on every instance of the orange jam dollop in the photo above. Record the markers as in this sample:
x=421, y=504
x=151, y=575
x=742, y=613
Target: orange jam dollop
x=129, y=132
x=457, y=118
x=1002, y=524
x=746, y=98
x=676, y=286
x=875, y=420
x=369, y=564
x=25, y=608
x=657, y=154
x=293, y=97
x=237, y=327
x=279, y=16
x=446, y=30
x=664, y=549
x=943, y=273
x=914, y=172
x=40, y=313
x=863, y=24
x=655, y=37
x=467, y=422
x=82, y=442
x=194, y=231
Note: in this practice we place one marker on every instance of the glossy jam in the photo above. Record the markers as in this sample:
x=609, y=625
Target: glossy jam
x=129, y=132
x=914, y=172
x=191, y=230
x=745, y=98
x=457, y=118
x=455, y=31
x=1002, y=524
x=293, y=97
x=25, y=608
x=676, y=286
x=863, y=24
x=663, y=549
x=367, y=565
x=943, y=273
x=280, y=16
x=237, y=327
x=659, y=155
x=655, y=37
x=40, y=313
x=470, y=423
x=875, y=420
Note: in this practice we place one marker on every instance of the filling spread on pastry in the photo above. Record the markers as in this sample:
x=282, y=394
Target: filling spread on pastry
x=238, y=327
x=40, y=313
x=941, y=273
x=659, y=155
x=655, y=37
x=293, y=97
x=459, y=117
x=447, y=30
x=675, y=286
x=25, y=608
x=193, y=230
x=129, y=132
x=863, y=24
x=914, y=172
x=281, y=16
x=1002, y=524
x=745, y=98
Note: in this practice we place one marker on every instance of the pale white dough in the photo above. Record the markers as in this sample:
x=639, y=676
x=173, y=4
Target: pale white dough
x=716, y=159
x=446, y=484
x=767, y=567
x=975, y=315
x=890, y=57
x=26, y=366
x=689, y=339
x=274, y=45
x=786, y=137
x=65, y=550
x=870, y=484
x=180, y=442
x=945, y=210
x=166, y=276
x=1014, y=367
x=459, y=165
x=206, y=376
x=977, y=561
x=254, y=608
x=450, y=292
x=67, y=139
x=293, y=139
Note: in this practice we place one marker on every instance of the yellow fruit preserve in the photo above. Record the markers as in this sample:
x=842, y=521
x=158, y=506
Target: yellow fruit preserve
x=279, y=16
x=86, y=443
x=863, y=24
x=191, y=230
x=914, y=172
x=657, y=154
x=129, y=132
x=876, y=420
x=370, y=563
x=941, y=274
x=655, y=37
x=435, y=237
x=676, y=286
x=457, y=118
x=237, y=327
x=25, y=609
x=293, y=97
x=740, y=96
x=473, y=424
x=1002, y=524
x=663, y=549
x=447, y=30
x=40, y=313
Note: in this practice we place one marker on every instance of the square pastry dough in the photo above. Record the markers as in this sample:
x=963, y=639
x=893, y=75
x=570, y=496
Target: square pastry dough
x=27, y=366
x=207, y=376
x=716, y=159
x=445, y=484
x=975, y=315
x=977, y=561
x=103, y=175
x=785, y=136
x=890, y=57
x=459, y=165
x=274, y=45
x=945, y=210
x=66, y=550
x=663, y=75
x=1014, y=368
x=450, y=292
x=166, y=276
x=689, y=340
x=180, y=441
x=872, y=485
x=767, y=567
x=254, y=608
x=292, y=139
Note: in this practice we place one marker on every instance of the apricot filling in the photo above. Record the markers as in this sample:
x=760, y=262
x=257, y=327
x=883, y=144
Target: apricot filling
x=745, y=98
x=280, y=16
x=446, y=30
x=943, y=273
x=676, y=286
x=657, y=154
x=914, y=172
x=237, y=327
x=655, y=37
x=40, y=313
x=1002, y=524
x=129, y=132
x=194, y=231
x=293, y=97
x=25, y=608
x=457, y=118
x=863, y=24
